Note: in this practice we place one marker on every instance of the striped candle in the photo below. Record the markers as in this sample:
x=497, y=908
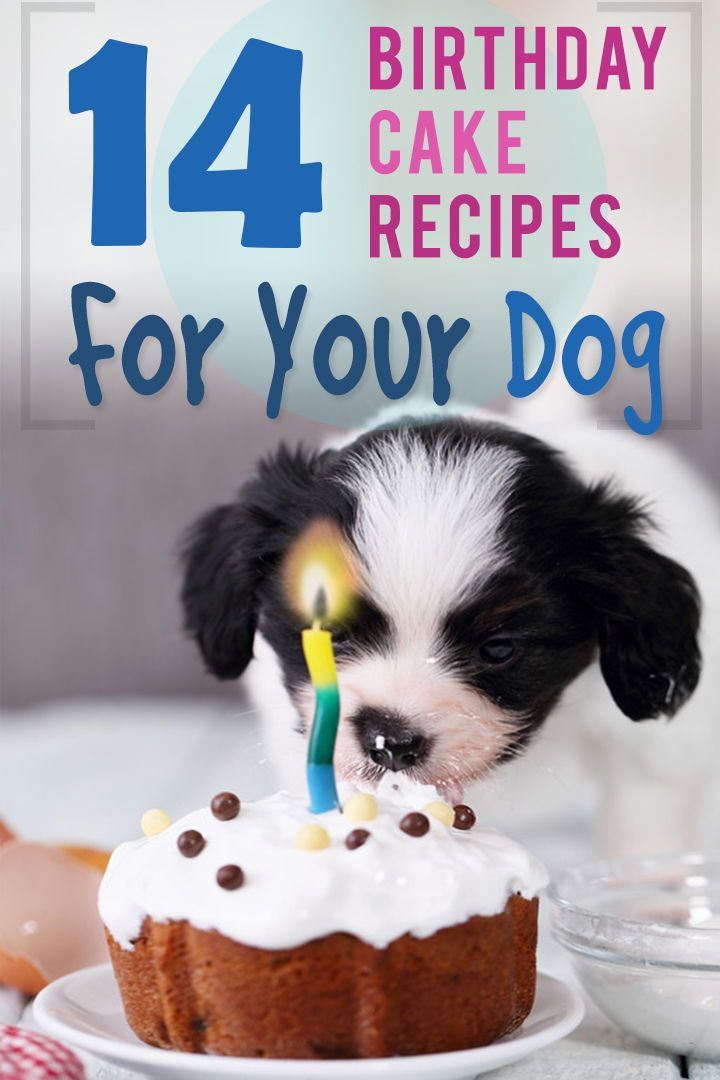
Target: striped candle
x=318, y=650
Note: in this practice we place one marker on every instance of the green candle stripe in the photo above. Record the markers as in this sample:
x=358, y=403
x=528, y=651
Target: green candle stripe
x=324, y=727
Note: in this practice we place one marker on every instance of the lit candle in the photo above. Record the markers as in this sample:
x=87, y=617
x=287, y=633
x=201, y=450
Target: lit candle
x=318, y=650
x=322, y=585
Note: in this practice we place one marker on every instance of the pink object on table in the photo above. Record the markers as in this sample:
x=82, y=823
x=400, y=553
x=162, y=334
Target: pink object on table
x=25, y=1055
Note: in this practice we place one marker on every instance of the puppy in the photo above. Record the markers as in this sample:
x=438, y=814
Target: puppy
x=494, y=570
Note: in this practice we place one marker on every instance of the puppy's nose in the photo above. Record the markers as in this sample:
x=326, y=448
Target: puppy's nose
x=388, y=739
x=397, y=756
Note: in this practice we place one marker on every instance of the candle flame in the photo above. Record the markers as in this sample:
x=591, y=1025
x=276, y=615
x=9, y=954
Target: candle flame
x=320, y=608
x=320, y=578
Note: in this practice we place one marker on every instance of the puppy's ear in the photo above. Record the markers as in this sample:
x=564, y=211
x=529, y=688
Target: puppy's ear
x=229, y=552
x=647, y=610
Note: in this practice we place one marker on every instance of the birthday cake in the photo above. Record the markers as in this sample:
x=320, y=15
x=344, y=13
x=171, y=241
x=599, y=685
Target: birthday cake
x=263, y=930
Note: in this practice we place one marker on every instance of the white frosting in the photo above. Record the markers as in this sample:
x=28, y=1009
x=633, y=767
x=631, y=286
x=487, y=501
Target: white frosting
x=394, y=884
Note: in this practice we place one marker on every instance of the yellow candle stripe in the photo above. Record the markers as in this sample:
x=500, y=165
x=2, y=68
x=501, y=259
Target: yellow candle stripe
x=317, y=646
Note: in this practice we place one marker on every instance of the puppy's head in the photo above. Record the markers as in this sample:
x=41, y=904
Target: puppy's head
x=489, y=577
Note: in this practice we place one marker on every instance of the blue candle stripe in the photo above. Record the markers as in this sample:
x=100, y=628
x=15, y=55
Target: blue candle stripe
x=322, y=789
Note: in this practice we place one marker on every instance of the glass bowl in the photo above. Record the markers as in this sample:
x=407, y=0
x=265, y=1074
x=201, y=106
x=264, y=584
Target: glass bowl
x=644, y=936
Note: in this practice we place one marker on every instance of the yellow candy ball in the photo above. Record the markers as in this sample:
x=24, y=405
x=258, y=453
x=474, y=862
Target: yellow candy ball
x=441, y=811
x=312, y=838
x=360, y=807
x=154, y=821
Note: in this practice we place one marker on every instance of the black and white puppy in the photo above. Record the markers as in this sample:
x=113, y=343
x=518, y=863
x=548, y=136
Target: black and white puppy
x=492, y=575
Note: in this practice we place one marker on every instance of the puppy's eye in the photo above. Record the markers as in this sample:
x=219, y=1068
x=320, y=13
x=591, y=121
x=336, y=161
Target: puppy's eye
x=497, y=650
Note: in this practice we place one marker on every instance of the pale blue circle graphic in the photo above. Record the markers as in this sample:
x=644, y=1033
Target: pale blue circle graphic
x=210, y=274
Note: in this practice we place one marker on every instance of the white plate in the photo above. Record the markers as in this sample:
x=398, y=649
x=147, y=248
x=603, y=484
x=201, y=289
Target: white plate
x=85, y=1010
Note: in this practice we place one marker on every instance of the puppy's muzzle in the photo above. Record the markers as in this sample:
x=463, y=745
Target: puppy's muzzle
x=389, y=740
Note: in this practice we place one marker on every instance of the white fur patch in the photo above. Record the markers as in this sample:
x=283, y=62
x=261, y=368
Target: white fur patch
x=427, y=527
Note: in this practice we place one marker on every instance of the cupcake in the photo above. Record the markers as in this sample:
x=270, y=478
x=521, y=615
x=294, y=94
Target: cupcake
x=263, y=930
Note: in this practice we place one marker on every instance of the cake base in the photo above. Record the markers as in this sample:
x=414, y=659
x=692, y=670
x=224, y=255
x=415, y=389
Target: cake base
x=335, y=997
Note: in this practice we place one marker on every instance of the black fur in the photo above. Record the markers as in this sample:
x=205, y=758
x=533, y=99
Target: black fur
x=230, y=554
x=647, y=611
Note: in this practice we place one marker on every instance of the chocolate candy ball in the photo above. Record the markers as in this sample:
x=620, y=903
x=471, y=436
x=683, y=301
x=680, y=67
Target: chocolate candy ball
x=415, y=824
x=356, y=838
x=230, y=877
x=225, y=806
x=190, y=843
x=464, y=817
